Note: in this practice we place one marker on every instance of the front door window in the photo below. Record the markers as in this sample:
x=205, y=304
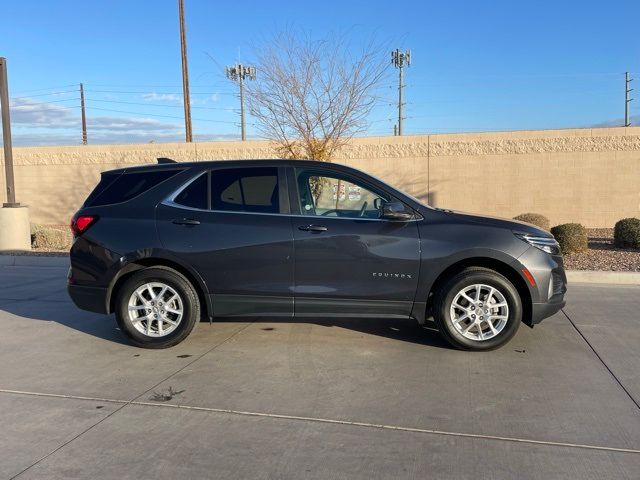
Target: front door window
x=336, y=196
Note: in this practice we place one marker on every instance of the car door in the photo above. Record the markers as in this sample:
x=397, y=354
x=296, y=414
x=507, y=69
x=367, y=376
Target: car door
x=230, y=225
x=349, y=260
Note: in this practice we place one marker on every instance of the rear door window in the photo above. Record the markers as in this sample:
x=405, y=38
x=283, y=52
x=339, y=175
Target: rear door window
x=196, y=194
x=245, y=190
x=126, y=186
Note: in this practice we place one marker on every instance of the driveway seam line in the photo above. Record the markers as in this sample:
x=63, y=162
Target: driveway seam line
x=328, y=421
x=602, y=360
x=219, y=344
x=123, y=402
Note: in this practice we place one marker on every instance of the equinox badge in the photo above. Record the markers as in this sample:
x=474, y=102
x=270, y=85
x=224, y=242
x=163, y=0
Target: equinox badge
x=392, y=275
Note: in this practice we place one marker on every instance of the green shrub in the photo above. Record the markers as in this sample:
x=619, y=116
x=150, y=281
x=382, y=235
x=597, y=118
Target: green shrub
x=626, y=233
x=572, y=237
x=50, y=237
x=534, y=219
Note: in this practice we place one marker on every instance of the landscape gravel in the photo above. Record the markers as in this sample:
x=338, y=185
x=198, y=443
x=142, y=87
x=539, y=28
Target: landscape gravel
x=603, y=255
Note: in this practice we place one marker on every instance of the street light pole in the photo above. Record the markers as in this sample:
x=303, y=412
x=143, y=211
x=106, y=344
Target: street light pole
x=400, y=60
x=240, y=73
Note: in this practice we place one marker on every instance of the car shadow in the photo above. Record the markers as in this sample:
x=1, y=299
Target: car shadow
x=65, y=313
x=105, y=327
x=400, y=329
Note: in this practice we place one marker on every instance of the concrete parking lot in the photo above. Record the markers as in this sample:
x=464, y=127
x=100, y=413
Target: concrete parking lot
x=315, y=399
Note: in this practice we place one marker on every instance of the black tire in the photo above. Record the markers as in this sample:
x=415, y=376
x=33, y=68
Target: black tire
x=446, y=294
x=188, y=297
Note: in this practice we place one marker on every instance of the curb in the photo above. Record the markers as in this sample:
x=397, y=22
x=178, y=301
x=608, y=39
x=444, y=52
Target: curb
x=602, y=277
x=33, y=261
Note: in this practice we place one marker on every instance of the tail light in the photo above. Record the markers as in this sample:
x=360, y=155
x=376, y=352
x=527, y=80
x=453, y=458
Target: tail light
x=81, y=223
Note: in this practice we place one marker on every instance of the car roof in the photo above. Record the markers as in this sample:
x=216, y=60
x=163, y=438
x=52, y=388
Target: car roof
x=206, y=164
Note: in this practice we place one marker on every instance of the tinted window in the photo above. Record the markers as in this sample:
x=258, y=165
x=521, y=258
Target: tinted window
x=245, y=190
x=196, y=194
x=126, y=186
x=330, y=196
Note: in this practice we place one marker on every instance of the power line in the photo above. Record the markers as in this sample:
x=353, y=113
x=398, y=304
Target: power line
x=164, y=93
x=44, y=94
x=159, y=115
x=22, y=108
x=147, y=104
x=42, y=89
x=52, y=102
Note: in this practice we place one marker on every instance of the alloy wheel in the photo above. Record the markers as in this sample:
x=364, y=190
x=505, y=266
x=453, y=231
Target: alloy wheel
x=155, y=309
x=479, y=312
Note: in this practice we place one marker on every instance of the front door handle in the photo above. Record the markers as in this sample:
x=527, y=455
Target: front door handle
x=312, y=228
x=186, y=221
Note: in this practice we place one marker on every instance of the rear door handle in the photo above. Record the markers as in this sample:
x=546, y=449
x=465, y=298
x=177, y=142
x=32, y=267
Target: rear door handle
x=312, y=228
x=186, y=221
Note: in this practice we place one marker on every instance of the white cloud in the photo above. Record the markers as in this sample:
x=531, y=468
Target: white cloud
x=25, y=111
x=33, y=122
x=130, y=124
x=162, y=97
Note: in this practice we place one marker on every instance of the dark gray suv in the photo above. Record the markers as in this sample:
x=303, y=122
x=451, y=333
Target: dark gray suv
x=164, y=246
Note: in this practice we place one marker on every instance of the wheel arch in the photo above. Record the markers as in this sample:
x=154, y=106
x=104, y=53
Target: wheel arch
x=493, y=264
x=136, y=265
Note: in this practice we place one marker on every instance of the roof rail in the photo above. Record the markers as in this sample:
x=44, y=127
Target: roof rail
x=162, y=160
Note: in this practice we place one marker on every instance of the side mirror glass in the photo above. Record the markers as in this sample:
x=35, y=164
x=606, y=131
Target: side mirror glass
x=396, y=211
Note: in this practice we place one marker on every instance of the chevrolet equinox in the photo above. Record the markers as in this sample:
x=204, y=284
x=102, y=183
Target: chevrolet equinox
x=164, y=246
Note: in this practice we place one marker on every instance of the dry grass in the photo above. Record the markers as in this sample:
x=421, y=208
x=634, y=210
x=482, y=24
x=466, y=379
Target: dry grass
x=50, y=237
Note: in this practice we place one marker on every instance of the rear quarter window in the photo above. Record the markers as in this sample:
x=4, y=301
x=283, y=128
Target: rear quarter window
x=118, y=188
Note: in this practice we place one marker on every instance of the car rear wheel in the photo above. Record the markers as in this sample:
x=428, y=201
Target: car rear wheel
x=477, y=309
x=157, y=308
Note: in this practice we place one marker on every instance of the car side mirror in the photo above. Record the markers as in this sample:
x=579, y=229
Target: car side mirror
x=396, y=211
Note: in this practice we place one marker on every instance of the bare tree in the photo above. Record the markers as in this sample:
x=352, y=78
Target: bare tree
x=312, y=96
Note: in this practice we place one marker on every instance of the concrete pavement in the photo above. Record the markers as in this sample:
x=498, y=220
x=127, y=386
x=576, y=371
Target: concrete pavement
x=346, y=398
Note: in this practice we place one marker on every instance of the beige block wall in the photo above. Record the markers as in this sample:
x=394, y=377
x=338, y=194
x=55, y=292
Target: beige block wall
x=591, y=176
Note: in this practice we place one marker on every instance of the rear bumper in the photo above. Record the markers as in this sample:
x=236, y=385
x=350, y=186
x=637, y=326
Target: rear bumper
x=93, y=299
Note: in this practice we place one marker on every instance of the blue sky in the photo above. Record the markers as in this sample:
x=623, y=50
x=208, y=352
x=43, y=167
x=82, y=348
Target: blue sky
x=476, y=66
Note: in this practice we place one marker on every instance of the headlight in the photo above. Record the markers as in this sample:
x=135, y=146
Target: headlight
x=546, y=244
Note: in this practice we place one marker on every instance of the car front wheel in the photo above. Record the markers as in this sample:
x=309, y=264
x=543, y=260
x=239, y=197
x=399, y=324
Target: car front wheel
x=157, y=308
x=477, y=309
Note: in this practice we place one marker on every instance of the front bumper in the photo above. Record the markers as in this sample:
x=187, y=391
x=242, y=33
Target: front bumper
x=540, y=311
x=93, y=299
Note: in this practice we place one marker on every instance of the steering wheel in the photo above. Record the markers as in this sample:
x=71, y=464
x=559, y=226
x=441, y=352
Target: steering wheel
x=324, y=214
x=363, y=209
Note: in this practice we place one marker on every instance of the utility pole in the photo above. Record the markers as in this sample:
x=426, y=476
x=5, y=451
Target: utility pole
x=398, y=60
x=239, y=73
x=84, y=116
x=6, y=135
x=185, y=75
x=627, y=99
